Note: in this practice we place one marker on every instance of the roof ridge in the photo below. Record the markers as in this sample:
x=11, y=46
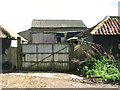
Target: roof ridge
x=108, y=26
x=99, y=24
x=11, y=34
x=55, y=20
x=57, y=23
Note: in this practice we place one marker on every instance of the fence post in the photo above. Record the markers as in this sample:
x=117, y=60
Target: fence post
x=52, y=62
x=71, y=56
x=19, y=62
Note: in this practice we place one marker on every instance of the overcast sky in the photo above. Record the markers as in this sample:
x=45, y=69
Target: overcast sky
x=17, y=15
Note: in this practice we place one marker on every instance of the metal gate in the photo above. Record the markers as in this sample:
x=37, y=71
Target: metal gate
x=46, y=57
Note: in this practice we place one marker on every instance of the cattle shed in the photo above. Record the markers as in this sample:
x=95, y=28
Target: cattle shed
x=107, y=34
x=54, y=31
x=8, y=43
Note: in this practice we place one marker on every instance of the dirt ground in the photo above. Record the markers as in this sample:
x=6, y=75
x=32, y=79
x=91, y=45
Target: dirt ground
x=47, y=80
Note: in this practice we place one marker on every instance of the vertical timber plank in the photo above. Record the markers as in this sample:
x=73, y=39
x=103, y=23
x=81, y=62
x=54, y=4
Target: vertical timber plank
x=19, y=61
x=52, y=62
x=37, y=55
x=71, y=56
x=30, y=35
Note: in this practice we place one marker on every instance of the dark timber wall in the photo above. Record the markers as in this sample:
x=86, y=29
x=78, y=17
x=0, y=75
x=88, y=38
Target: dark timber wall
x=109, y=43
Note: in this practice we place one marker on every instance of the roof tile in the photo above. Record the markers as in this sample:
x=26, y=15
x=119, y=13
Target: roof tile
x=109, y=26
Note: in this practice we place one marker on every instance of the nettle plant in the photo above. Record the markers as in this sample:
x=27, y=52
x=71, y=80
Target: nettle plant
x=102, y=64
x=101, y=67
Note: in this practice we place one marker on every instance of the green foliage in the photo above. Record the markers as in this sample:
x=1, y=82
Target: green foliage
x=6, y=65
x=100, y=66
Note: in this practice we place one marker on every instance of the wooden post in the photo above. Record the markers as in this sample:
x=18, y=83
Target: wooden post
x=0, y=55
x=37, y=55
x=19, y=61
x=71, y=56
x=52, y=62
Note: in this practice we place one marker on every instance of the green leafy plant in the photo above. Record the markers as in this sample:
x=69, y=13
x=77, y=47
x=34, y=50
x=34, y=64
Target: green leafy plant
x=100, y=66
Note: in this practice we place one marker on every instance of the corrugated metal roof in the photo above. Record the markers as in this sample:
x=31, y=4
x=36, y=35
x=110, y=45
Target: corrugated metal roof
x=4, y=33
x=57, y=23
x=109, y=26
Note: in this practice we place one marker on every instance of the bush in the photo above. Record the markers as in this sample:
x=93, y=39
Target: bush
x=6, y=65
x=102, y=67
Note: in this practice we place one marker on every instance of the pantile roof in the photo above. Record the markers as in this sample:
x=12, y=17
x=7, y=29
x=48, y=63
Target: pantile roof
x=5, y=33
x=109, y=26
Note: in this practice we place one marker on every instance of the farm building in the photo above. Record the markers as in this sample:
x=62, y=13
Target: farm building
x=25, y=34
x=106, y=33
x=53, y=31
x=8, y=43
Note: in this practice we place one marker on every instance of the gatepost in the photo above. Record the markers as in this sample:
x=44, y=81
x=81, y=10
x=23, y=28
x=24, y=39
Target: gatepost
x=71, y=56
x=19, y=59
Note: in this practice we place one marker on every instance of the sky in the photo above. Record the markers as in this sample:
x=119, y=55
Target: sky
x=17, y=15
x=119, y=8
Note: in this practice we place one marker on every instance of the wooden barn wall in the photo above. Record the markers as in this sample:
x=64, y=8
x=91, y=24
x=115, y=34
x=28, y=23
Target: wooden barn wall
x=43, y=38
x=109, y=42
x=0, y=55
x=7, y=53
x=40, y=35
x=0, y=46
x=5, y=45
x=12, y=55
